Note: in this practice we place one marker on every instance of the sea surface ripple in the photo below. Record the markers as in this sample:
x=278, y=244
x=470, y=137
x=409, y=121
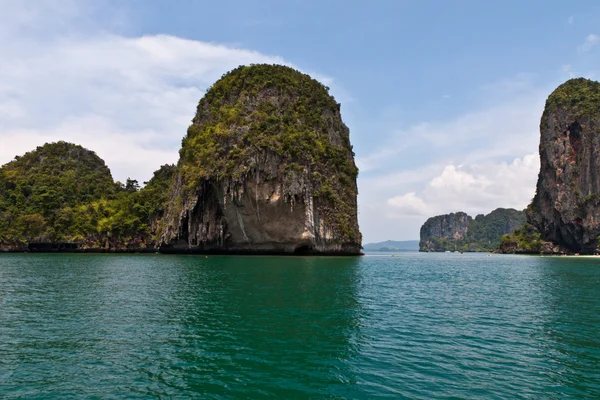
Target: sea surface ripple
x=418, y=326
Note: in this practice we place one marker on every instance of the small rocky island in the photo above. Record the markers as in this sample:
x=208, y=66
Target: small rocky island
x=266, y=168
x=461, y=232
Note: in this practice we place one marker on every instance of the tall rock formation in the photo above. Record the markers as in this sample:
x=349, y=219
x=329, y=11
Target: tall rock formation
x=458, y=231
x=266, y=167
x=566, y=207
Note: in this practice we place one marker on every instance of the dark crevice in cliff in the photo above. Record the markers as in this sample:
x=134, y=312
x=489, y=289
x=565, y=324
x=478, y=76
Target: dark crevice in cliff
x=575, y=136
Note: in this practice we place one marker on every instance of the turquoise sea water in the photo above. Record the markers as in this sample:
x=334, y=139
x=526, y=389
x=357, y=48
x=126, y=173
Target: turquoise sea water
x=412, y=326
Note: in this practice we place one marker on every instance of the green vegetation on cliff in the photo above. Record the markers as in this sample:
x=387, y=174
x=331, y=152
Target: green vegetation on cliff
x=258, y=111
x=262, y=107
x=580, y=95
x=61, y=192
x=460, y=232
x=525, y=239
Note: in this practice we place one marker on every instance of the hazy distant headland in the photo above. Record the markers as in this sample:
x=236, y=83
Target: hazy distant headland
x=393, y=245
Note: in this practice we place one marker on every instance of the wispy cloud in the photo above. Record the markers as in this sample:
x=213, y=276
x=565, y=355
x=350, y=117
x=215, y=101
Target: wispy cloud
x=571, y=19
x=567, y=68
x=502, y=130
x=590, y=42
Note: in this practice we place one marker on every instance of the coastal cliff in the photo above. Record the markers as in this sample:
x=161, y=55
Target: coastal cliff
x=566, y=205
x=266, y=167
x=460, y=232
x=442, y=232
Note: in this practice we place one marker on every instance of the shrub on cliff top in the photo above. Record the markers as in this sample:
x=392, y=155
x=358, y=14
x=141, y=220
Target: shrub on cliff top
x=580, y=94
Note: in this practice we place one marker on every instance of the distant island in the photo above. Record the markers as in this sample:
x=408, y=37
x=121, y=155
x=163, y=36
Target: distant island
x=461, y=232
x=393, y=245
x=266, y=167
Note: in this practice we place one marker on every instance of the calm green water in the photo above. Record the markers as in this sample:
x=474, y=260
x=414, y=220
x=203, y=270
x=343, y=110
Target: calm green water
x=413, y=326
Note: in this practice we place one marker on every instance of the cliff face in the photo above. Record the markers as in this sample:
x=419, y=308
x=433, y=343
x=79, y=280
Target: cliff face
x=458, y=231
x=439, y=233
x=566, y=207
x=266, y=167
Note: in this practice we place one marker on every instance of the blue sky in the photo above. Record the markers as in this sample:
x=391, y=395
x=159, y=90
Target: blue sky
x=442, y=98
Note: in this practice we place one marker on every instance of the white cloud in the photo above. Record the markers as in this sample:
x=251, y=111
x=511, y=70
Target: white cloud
x=409, y=205
x=480, y=188
x=504, y=130
x=473, y=188
x=455, y=178
x=571, y=19
x=590, y=41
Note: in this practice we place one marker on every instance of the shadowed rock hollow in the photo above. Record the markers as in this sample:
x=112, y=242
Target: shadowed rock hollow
x=566, y=207
x=266, y=167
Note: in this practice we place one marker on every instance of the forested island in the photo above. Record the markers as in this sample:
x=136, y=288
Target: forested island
x=61, y=196
x=461, y=232
x=266, y=167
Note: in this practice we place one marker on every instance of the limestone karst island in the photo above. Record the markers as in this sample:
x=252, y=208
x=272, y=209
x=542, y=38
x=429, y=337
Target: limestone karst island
x=563, y=216
x=266, y=167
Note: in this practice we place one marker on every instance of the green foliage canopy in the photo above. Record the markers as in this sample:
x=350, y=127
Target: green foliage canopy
x=61, y=192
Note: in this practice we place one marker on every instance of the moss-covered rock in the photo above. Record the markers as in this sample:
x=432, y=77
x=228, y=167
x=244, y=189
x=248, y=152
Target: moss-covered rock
x=266, y=166
x=524, y=240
